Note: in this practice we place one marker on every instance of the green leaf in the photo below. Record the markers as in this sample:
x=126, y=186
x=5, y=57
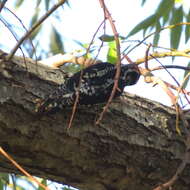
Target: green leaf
x=157, y=34
x=56, y=45
x=34, y=17
x=47, y=4
x=106, y=38
x=112, y=53
x=187, y=33
x=109, y=38
x=187, y=28
x=164, y=7
x=38, y=3
x=18, y=3
x=143, y=25
x=67, y=3
x=1, y=184
x=4, y=180
x=143, y=2
x=32, y=22
x=177, y=17
x=179, y=1
x=185, y=74
x=44, y=182
x=166, y=18
x=66, y=188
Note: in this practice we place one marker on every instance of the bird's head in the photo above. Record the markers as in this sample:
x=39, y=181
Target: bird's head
x=131, y=73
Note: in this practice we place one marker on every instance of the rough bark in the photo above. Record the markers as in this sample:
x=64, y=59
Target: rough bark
x=134, y=147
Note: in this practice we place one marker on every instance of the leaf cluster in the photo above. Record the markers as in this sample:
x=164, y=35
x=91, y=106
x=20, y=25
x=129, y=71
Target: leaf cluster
x=166, y=13
x=56, y=44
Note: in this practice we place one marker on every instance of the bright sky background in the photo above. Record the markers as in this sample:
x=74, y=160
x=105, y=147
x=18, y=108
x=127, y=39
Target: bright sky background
x=82, y=20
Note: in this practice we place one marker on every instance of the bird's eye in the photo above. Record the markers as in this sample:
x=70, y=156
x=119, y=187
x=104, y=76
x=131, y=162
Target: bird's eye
x=132, y=77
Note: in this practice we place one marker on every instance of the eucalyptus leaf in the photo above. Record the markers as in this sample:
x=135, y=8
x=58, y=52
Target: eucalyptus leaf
x=56, y=45
x=187, y=28
x=18, y=3
x=106, y=38
x=143, y=25
x=157, y=34
x=143, y=2
x=38, y=3
x=177, y=17
x=47, y=4
x=164, y=7
x=185, y=74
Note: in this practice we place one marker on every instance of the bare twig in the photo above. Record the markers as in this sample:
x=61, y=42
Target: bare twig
x=170, y=67
x=169, y=75
x=181, y=87
x=102, y=42
x=77, y=92
x=177, y=88
x=163, y=55
x=14, y=35
x=146, y=57
x=21, y=169
x=118, y=65
x=25, y=31
x=41, y=20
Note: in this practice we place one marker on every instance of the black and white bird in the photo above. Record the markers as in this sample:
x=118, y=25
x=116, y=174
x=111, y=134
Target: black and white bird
x=96, y=85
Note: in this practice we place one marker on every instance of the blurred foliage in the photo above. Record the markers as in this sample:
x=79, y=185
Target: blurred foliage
x=18, y=182
x=4, y=180
x=186, y=73
x=18, y=3
x=169, y=12
x=56, y=44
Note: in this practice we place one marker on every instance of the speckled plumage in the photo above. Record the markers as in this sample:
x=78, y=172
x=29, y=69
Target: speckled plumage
x=95, y=87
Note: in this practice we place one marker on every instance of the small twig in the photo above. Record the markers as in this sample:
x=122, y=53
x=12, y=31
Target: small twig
x=25, y=31
x=150, y=78
x=177, y=88
x=181, y=87
x=41, y=20
x=170, y=67
x=14, y=35
x=146, y=57
x=78, y=88
x=118, y=65
x=102, y=42
x=163, y=55
x=128, y=59
x=169, y=74
x=21, y=169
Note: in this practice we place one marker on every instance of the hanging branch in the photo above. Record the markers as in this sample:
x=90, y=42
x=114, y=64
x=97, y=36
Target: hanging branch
x=107, y=15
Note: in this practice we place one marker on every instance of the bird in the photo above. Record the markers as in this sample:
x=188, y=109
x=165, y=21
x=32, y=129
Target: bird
x=94, y=85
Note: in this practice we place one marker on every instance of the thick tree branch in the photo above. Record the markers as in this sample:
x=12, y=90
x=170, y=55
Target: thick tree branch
x=134, y=147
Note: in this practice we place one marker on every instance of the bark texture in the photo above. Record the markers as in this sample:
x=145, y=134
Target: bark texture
x=134, y=147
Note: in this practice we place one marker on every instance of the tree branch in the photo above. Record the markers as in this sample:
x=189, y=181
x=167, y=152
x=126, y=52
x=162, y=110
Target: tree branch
x=135, y=146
